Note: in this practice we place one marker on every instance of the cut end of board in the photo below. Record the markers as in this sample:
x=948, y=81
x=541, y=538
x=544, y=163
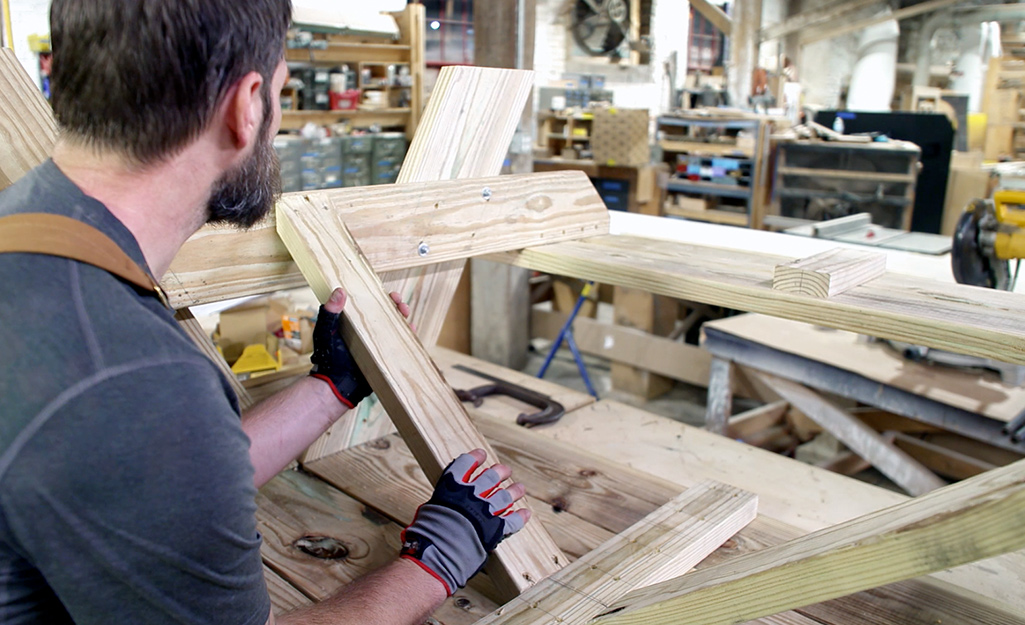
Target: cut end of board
x=830, y=273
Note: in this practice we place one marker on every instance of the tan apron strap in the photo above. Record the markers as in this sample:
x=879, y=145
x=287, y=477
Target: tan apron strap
x=56, y=235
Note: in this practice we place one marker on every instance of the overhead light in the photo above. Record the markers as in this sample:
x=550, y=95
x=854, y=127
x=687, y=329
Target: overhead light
x=435, y=25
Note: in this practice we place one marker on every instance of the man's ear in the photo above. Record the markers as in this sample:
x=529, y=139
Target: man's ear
x=244, y=110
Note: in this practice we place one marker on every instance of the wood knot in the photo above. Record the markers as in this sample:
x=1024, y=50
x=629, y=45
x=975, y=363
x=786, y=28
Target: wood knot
x=730, y=544
x=323, y=547
x=588, y=473
x=560, y=504
x=539, y=203
x=380, y=443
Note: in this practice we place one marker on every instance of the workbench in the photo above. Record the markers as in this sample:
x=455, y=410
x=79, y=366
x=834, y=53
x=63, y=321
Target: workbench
x=341, y=516
x=973, y=405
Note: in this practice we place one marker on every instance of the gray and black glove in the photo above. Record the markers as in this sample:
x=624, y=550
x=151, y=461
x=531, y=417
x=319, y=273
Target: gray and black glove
x=333, y=363
x=452, y=534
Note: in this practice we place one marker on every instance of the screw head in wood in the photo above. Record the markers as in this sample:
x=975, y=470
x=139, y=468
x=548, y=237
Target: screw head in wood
x=486, y=193
x=423, y=249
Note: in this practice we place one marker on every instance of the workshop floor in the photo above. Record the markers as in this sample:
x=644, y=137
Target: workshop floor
x=685, y=402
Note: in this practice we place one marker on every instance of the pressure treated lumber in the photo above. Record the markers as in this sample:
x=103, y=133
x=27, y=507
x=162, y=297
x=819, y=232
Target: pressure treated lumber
x=383, y=473
x=806, y=498
x=893, y=462
x=283, y=596
x=965, y=522
x=27, y=128
x=310, y=554
x=390, y=222
x=586, y=488
x=407, y=382
x=829, y=273
x=959, y=318
x=669, y=541
x=464, y=133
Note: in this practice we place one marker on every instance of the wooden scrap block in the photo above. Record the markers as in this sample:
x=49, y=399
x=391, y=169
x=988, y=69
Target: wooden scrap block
x=830, y=273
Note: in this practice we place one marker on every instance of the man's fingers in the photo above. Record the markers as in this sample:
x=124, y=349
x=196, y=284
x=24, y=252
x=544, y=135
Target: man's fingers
x=515, y=521
x=336, y=302
x=480, y=455
x=401, y=305
x=516, y=491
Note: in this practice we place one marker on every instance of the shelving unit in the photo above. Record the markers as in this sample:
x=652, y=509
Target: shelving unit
x=558, y=132
x=708, y=158
x=369, y=56
x=877, y=178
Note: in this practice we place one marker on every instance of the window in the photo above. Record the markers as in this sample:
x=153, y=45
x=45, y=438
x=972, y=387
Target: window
x=449, y=36
x=705, y=44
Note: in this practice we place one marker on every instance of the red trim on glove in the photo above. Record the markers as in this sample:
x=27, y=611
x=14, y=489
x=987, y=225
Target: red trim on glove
x=426, y=568
x=346, y=402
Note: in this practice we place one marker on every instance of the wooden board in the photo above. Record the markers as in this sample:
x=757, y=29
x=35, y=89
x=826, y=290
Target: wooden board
x=970, y=320
x=300, y=516
x=390, y=222
x=801, y=495
x=464, y=132
x=968, y=521
x=980, y=393
x=384, y=473
x=674, y=538
x=405, y=379
x=28, y=130
x=892, y=461
x=829, y=273
x=283, y=596
x=587, y=485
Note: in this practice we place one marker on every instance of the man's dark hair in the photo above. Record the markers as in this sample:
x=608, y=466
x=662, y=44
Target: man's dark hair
x=144, y=77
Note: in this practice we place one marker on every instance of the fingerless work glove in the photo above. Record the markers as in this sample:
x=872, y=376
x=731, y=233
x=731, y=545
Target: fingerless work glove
x=333, y=363
x=463, y=521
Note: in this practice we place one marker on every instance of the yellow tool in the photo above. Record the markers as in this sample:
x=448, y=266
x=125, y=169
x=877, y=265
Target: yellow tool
x=988, y=234
x=254, y=359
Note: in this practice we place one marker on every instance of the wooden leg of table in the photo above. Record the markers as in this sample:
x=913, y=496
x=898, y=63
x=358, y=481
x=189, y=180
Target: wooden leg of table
x=720, y=396
x=654, y=314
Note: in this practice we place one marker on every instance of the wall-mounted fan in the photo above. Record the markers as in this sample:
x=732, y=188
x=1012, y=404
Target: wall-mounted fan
x=601, y=26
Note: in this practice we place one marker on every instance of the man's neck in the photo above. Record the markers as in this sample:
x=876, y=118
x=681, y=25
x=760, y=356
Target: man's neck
x=162, y=205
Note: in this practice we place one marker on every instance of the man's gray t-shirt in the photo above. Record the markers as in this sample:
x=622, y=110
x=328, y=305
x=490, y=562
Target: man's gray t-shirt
x=126, y=490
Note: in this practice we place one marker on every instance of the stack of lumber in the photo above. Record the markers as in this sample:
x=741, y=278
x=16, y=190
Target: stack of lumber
x=352, y=510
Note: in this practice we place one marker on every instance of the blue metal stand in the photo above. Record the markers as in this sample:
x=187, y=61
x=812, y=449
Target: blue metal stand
x=566, y=333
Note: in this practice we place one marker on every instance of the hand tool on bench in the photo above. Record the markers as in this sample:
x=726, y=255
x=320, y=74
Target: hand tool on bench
x=550, y=410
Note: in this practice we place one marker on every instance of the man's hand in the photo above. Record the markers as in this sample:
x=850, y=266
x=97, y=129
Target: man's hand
x=331, y=359
x=464, y=520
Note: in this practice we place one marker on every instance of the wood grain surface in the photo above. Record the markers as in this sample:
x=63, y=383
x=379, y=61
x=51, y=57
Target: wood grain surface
x=959, y=318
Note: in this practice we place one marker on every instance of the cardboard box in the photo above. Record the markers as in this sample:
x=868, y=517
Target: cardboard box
x=620, y=137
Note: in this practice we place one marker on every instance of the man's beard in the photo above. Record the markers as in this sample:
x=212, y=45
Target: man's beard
x=244, y=195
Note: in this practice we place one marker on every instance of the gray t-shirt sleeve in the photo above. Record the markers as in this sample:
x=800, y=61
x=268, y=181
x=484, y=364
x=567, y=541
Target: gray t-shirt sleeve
x=156, y=504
